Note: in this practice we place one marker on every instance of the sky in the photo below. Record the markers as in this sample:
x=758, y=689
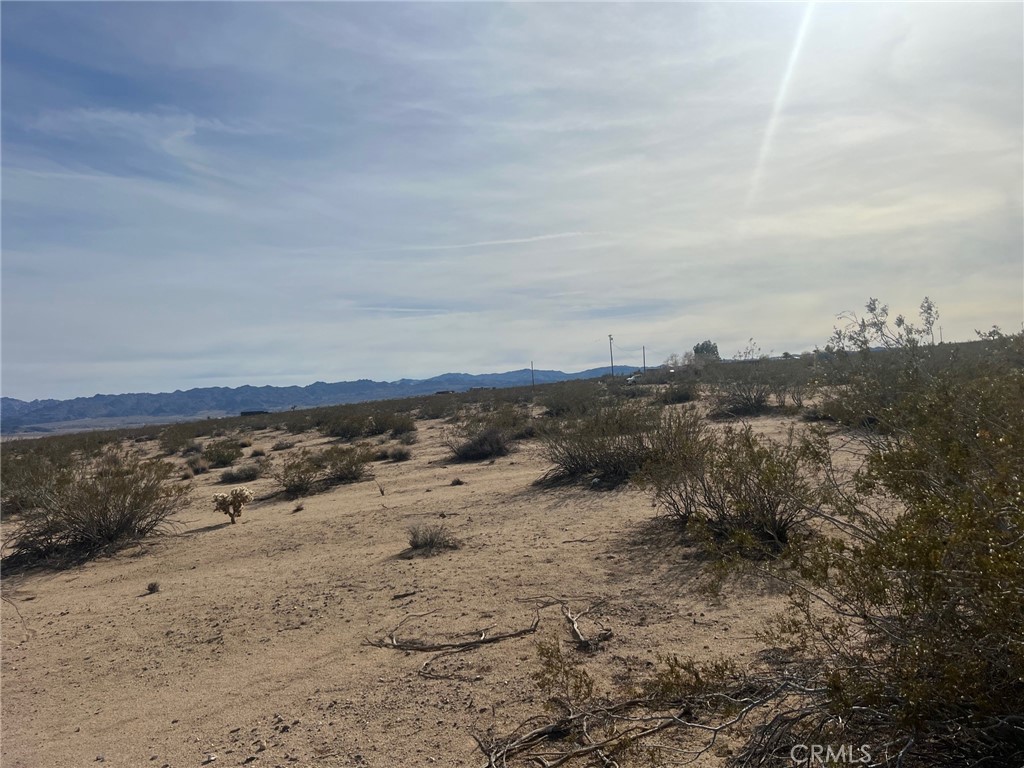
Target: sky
x=217, y=194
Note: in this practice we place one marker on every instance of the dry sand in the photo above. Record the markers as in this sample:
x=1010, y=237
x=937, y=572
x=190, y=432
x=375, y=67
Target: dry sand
x=254, y=650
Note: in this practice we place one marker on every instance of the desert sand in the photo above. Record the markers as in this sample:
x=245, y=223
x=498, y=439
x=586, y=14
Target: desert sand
x=255, y=650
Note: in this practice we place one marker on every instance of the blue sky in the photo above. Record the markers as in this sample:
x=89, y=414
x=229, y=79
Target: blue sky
x=200, y=194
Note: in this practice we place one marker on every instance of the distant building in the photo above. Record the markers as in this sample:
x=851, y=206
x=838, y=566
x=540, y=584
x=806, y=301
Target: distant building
x=252, y=413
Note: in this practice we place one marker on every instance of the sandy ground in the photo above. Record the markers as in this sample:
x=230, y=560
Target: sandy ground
x=254, y=650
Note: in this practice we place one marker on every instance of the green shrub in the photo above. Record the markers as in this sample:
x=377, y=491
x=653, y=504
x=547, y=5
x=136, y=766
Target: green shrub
x=304, y=472
x=609, y=444
x=298, y=473
x=222, y=453
x=97, y=505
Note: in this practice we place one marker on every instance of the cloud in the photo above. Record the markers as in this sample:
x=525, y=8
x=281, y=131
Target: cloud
x=388, y=190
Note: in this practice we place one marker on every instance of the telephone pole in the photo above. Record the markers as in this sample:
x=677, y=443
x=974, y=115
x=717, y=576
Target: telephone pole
x=644, y=348
x=611, y=355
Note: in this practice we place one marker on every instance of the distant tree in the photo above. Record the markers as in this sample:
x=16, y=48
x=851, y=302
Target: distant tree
x=707, y=349
x=674, y=362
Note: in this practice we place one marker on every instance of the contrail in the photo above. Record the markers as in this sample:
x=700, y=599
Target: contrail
x=780, y=100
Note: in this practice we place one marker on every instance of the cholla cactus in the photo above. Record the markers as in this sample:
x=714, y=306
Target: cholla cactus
x=231, y=503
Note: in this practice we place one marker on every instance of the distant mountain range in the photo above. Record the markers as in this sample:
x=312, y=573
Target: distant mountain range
x=19, y=416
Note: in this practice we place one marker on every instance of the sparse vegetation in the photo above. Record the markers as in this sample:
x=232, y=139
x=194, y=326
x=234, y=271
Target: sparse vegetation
x=244, y=474
x=430, y=539
x=486, y=444
x=93, y=505
x=222, y=453
x=282, y=445
x=610, y=444
x=305, y=472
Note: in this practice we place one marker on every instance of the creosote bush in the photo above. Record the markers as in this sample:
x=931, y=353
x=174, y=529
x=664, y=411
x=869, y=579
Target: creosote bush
x=222, y=453
x=745, y=494
x=305, y=472
x=94, y=505
x=489, y=443
x=609, y=444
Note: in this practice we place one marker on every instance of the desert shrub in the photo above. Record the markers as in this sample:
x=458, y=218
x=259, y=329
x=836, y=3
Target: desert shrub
x=681, y=392
x=305, y=472
x=153, y=587
x=346, y=426
x=343, y=465
x=191, y=447
x=609, y=444
x=431, y=539
x=96, y=505
x=489, y=443
x=743, y=386
x=437, y=407
x=231, y=504
x=745, y=494
x=407, y=438
x=920, y=636
x=571, y=398
x=29, y=478
x=282, y=445
x=245, y=442
x=399, y=454
x=244, y=474
x=298, y=473
x=257, y=453
x=873, y=366
x=222, y=453
x=197, y=465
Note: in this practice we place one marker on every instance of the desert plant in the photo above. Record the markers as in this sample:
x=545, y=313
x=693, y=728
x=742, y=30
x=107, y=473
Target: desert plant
x=153, y=587
x=257, y=453
x=431, y=539
x=399, y=454
x=489, y=443
x=571, y=398
x=97, y=505
x=743, y=385
x=609, y=444
x=197, y=465
x=231, y=503
x=682, y=392
x=244, y=474
x=282, y=445
x=305, y=472
x=222, y=453
x=298, y=473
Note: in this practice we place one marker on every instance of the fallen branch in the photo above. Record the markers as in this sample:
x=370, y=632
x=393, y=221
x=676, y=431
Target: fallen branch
x=392, y=641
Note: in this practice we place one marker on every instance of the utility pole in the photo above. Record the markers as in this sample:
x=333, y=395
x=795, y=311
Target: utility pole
x=611, y=355
x=644, y=348
x=533, y=382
